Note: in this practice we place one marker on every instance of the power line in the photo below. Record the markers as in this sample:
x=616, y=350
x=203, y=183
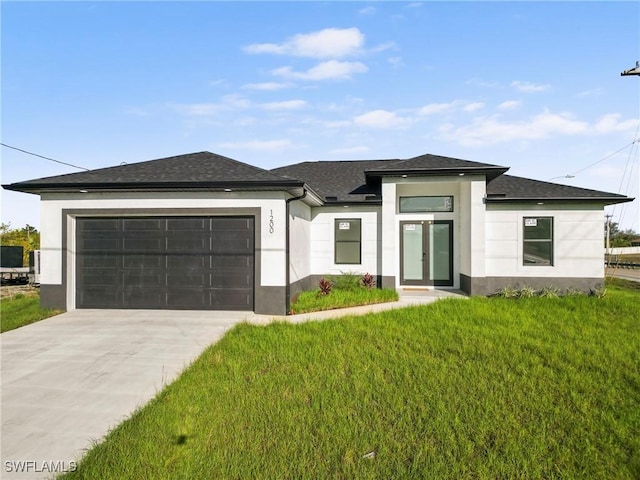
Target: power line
x=608, y=156
x=42, y=156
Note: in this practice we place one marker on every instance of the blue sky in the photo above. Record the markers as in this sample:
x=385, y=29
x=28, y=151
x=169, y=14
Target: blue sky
x=534, y=86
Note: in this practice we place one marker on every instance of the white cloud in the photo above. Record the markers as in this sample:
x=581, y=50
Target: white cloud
x=472, y=107
x=381, y=119
x=509, y=105
x=611, y=123
x=478, y=82
x=228, y=102
x=285, y=105
x=528, y=87
x=433, y=108
x=368, y=11
x=198, y=109
x=414, y=5
x=493, y=129
x=330, y=70
x=337, y=124
x=382, y=47
x=327, y=43
x=350, y=150
x=268, y=145
x=235, y=102
x=267, y=86
x=594, y=92
x=396, y=61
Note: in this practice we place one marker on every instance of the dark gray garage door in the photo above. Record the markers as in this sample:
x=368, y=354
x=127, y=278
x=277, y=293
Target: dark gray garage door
x=192, y=263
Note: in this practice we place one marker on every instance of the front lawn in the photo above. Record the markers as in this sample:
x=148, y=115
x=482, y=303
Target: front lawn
x=21, y=310
x=474, y=388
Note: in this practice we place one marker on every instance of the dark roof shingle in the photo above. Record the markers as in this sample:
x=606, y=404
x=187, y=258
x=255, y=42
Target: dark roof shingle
x=509, y=188
x=193, y=168
x=343, y=179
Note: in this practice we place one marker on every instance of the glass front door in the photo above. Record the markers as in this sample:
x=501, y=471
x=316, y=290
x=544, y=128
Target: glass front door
x=426, y=250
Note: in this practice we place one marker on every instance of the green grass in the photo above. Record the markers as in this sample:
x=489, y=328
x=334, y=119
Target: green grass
x=22, y=310
x=477, y=388
x=310, y=301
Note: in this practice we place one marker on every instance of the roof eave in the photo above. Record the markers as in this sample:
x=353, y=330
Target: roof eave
x=355, y=203
x=36, y=188
x=544, y=200
x=490, y=172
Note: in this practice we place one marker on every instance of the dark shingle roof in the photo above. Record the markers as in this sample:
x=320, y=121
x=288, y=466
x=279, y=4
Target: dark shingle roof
x=190, y=170
x=507, y=188
x=437, y=165
x=334, y=181
x=344, y=180
x=433, y=162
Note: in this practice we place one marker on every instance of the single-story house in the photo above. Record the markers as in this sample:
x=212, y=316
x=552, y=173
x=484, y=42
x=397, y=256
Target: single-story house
x=202, y=231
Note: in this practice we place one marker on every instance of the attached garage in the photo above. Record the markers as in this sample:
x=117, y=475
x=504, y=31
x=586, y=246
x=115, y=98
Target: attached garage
x=187, y=262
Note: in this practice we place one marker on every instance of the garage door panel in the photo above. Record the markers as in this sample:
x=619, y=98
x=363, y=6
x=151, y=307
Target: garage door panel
x=106, y=278
x=165, y=262
x=98, y=297
x=229, y=246
x=143, y=278
x=230, y=299
x=187, y=261
x=138, y=297
x=222, y=279
x=232, y=261
x=100, y=261
x=98, y=224
x=187, y=298
x=177, y=245
x=143, y=245
x=187, y=278
x=106, y=244
x=143, y=224
x=196, y=224
x=143, y=261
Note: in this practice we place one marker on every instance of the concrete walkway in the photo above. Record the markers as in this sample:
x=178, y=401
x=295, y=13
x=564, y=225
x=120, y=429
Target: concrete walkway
x=69, y=379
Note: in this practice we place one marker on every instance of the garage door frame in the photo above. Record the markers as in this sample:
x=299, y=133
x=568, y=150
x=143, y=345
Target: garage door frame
x=266, y=299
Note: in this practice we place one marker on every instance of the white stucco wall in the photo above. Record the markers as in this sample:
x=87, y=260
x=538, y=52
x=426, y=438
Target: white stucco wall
x=467, y=216
x=271, y=204
x=323, y=239
x=577, y=241
x=300, y=241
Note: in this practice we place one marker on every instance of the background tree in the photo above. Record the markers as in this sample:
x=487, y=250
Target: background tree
x=620, y=238
x=27, y=237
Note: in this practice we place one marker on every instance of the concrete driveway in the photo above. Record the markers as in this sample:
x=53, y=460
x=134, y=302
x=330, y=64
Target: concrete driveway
x=68, y=380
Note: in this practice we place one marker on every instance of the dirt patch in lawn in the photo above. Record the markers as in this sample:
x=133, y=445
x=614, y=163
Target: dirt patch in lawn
x=10, y=291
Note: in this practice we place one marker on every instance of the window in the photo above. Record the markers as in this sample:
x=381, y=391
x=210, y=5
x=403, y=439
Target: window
x=348, y=235
x=426, y=204
x=537, y=248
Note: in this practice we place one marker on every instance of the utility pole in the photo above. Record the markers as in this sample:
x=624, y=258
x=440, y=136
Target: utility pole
x=633, y=71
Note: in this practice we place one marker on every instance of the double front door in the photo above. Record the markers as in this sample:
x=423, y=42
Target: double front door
x=426, y=252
